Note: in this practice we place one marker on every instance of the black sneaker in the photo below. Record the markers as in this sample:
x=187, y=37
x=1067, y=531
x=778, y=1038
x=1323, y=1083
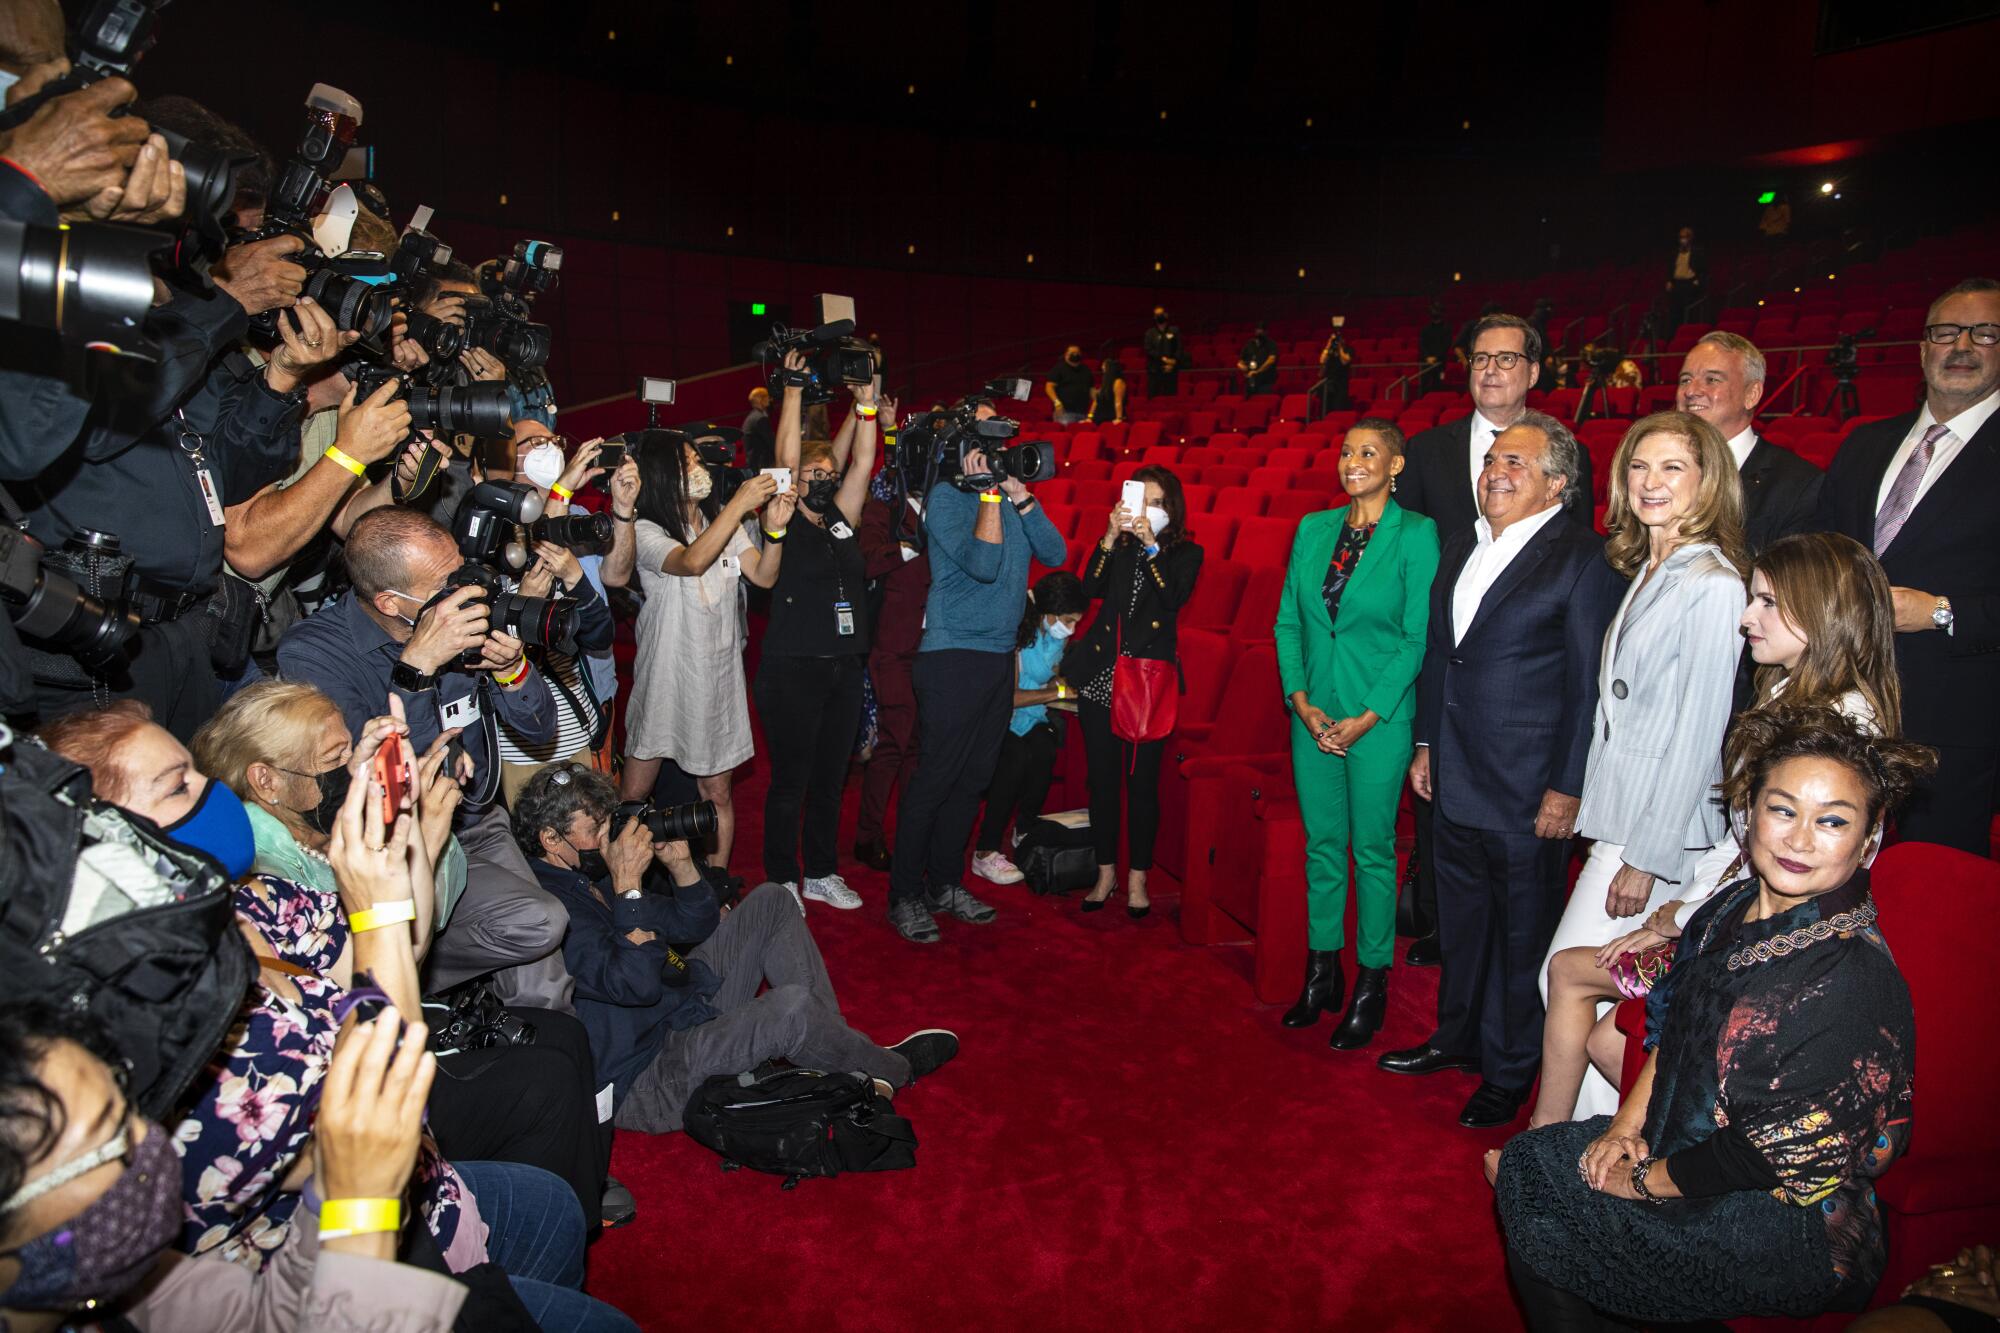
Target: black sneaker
x=617, y=1206
x=954, y=901
x=913, y=921
x=927, y=1051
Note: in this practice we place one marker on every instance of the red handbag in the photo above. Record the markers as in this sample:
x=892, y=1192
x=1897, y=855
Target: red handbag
x=1145, y=695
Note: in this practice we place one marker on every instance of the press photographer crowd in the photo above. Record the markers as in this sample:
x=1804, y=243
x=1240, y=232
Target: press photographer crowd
x=353, y=893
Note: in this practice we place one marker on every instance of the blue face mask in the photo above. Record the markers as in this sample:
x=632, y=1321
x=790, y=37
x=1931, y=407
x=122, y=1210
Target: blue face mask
x=218, y=825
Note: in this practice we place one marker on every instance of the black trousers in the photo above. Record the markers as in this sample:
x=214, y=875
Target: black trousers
x=1162, y=383
x=1020, y=783
x=536, y=1105
x=1424, y=910
x=964, y=699
x=1956, y=806
x=811, y=707
x=1117, y=767
x=1500, y=897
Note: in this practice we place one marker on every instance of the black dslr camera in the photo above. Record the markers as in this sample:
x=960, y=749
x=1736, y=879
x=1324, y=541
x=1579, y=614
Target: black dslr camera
x=521, y=343
x=833, y=356
x=481, y=409
x=45, y=594
x=673, y=823
x=489, y=528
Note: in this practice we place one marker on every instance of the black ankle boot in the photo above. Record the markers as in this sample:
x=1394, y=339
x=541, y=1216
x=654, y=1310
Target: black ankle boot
x=1365, y=1012
x=1323, y=989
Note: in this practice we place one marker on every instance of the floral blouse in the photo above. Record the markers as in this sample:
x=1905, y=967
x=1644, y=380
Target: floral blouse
x=255, y=1117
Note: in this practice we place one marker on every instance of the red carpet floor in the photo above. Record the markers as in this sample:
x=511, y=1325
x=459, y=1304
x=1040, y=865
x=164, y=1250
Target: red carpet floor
x=1127, y=1140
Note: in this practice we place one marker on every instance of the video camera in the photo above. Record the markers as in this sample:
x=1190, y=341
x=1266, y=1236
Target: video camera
x=1844, y=358
x=673, y=823
x=833, y=356
x=932, y=446
x=49, y=607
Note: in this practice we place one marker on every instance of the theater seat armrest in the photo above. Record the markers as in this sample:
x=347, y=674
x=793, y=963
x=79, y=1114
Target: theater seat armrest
x=1941, y=1182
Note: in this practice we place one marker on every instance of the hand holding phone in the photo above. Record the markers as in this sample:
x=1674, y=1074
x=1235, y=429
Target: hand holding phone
x=394, y=774
x=1132, y=499
x=781, y=475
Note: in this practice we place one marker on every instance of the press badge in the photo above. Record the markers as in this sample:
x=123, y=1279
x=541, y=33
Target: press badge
x=841, y=530
x=208, y=495
x=461, y=712
x=843, y=617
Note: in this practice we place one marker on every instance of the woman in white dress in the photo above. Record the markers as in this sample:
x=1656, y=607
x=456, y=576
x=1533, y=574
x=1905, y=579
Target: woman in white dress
x=689, y=702
x=1822, y=629
x=1666, y=685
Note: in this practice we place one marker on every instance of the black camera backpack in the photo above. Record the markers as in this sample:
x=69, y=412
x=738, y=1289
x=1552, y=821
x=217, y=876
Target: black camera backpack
x=799, y=1122
x=165, y=979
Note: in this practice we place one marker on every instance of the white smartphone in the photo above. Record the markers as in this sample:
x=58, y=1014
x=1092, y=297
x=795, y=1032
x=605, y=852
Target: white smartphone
x=783, y=475
x=1133, y=497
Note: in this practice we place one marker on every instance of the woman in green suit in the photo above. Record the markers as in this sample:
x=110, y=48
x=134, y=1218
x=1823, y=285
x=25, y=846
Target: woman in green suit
x=1350, y=641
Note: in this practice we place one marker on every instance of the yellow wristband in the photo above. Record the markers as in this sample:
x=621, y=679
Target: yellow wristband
x=383, y=914
x=359, y=1217
x=347, y=460
x=1061, y=693
x=867, y=413
x=989, y=498
x=513, y=677
x=562, y=492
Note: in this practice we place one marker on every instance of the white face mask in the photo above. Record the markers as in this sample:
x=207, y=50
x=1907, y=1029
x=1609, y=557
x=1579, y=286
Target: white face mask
x=1156, y=519
x=1059, y=629
x=543, y=465
x=699, y=484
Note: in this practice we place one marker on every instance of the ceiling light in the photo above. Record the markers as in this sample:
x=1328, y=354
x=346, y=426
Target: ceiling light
x=503, y=201
x=1826, y=187
x=611, y=36
x=729, y=60
x=910, y=250
x=614, y=215
x=911, y=90
x=1031, y=256
x=1458, y=277
x=1465, y=124
x=729, y=231
x=1309, y=122
x=1163, y=115
x=1156, y=266
x=1302, y=273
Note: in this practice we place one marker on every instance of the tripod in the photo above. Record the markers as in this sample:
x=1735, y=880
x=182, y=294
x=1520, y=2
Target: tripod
x=1844, y=394
x=1597, y=388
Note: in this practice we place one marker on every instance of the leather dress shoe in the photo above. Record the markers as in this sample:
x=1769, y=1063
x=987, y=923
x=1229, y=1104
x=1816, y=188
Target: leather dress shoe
x=1492, y=1107
x=1424, y=952
x=1425, y=1059
x=874, y=854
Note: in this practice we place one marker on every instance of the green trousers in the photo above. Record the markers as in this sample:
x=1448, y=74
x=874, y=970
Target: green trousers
x=1351, y=802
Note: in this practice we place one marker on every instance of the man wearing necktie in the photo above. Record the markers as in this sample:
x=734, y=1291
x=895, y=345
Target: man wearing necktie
x=1440, y=480
x=1934, y=534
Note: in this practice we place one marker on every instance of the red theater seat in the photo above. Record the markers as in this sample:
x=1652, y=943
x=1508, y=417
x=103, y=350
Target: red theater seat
x=1250, y=719
x=1089, y=469
x=1216, y=533
x=1264, y=542
x=1224, y=474
x=1297, y=504
x=1271, y=478
x=1242, y=501
x=1199, y=499
x=1216, y=594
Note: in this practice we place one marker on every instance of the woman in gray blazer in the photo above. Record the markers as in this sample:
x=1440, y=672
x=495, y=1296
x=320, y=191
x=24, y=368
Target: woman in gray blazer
x=1666, y=685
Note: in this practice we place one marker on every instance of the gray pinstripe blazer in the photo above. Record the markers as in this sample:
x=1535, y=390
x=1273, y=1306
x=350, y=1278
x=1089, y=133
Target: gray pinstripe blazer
x=1666, y=686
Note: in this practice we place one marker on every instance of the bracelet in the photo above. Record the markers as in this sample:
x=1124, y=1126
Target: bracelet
x=1153, y=551
x=989, y=497
x=777, y=536
x=347, y=460
x=1061, y=692
x=562, y=492
x=339, y=1218
x=624, y=518
x=1023, y=506
x=513, y=677
x=867, y=413
x=383, y=914
x=1639, y=1183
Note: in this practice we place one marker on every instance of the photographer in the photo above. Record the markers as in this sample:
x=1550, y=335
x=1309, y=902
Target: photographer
x=402, y=629
x=661, y=1022
x=815, y=649
x=980, y=543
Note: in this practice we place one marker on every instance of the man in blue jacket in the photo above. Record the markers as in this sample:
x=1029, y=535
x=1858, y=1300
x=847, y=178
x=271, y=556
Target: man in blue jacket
x=667, y=985
x=979, y=543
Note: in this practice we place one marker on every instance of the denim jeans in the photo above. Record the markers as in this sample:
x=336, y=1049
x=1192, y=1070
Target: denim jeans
x=536, y=1231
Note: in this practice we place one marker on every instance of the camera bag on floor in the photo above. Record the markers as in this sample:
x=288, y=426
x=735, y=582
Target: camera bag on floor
x=797, y=1123
x=1056, y=858
x=101, y=912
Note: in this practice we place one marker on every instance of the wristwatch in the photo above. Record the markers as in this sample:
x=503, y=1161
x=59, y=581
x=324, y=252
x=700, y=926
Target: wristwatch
x=1941, y=614
x=406, y=677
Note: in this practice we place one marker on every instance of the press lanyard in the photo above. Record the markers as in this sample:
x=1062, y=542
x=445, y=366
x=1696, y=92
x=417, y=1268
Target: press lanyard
x=191, y=444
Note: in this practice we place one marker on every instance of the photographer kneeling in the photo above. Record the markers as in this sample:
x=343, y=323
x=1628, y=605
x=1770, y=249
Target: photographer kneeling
x=401, y=628
x=660, y=1023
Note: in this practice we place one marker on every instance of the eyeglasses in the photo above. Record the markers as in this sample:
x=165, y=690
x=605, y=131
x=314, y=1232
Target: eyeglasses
x=1504, y=360
x=1984, y=334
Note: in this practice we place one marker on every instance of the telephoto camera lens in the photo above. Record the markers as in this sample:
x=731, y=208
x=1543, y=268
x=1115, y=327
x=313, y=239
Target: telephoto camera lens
x=441, y=339
x=91, y=284
x=579, y=532
x=535, y=621
x=673, y=823
x=522, y=345
x=481, y=409
x=356, y=306
x=51, y=609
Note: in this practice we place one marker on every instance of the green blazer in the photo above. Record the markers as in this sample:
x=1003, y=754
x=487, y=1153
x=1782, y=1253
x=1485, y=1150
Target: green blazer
x=1369, y=657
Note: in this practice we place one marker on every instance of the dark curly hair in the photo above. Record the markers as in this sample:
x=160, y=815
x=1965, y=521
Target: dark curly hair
x=555, y=796
x=1056, y=593
x=31, y=1114
x=1763, y=738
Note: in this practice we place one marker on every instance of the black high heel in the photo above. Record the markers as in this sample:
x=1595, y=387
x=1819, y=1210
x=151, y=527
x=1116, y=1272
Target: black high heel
x=1136, y=913
x=1096, y=904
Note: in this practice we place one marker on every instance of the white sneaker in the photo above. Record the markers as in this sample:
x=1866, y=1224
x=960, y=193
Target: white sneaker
x=995, y=868
x=833, y=891
x=793, y=889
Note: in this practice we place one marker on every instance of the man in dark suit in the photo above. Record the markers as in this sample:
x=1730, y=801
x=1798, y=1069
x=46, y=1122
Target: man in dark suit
x=1918, y=490
x=1441, y=480
x=1722, y=380
x=1504, y=710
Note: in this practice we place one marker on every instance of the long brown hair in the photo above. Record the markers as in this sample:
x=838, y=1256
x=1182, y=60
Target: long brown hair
x=1717, y=514
x=1833, y=591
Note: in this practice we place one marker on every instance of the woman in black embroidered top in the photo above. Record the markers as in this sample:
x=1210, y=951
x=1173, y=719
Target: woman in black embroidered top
x=1736, y=1178
x=1144, y=568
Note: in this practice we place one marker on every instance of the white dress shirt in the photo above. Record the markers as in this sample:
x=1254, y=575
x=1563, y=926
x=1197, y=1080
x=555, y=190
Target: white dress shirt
x=1741, y=445
x=1489, y=559
x=1962, y=428
x=1483, y=432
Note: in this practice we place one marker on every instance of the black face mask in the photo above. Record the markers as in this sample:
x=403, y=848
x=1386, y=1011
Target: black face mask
x=818, y=495
x=1160, y=320
x=333, y=785
x=1074, y=360
x=590, y=864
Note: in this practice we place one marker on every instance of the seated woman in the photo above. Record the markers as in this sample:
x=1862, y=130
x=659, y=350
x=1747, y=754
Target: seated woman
x=1028, y=751
x=247, y=1142
x=1822, y=629
x=283, y=748
x=1736, y=1178
x=65, y=1122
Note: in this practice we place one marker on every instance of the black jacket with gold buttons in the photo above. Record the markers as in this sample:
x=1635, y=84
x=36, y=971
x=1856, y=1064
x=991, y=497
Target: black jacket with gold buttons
x=1164, y=585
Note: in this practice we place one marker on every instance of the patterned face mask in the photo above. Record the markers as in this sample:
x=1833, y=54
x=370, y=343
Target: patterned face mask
x=105, y=1250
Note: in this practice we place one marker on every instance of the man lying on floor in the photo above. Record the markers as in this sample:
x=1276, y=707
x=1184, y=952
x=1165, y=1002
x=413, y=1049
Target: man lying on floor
x=666, y=984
